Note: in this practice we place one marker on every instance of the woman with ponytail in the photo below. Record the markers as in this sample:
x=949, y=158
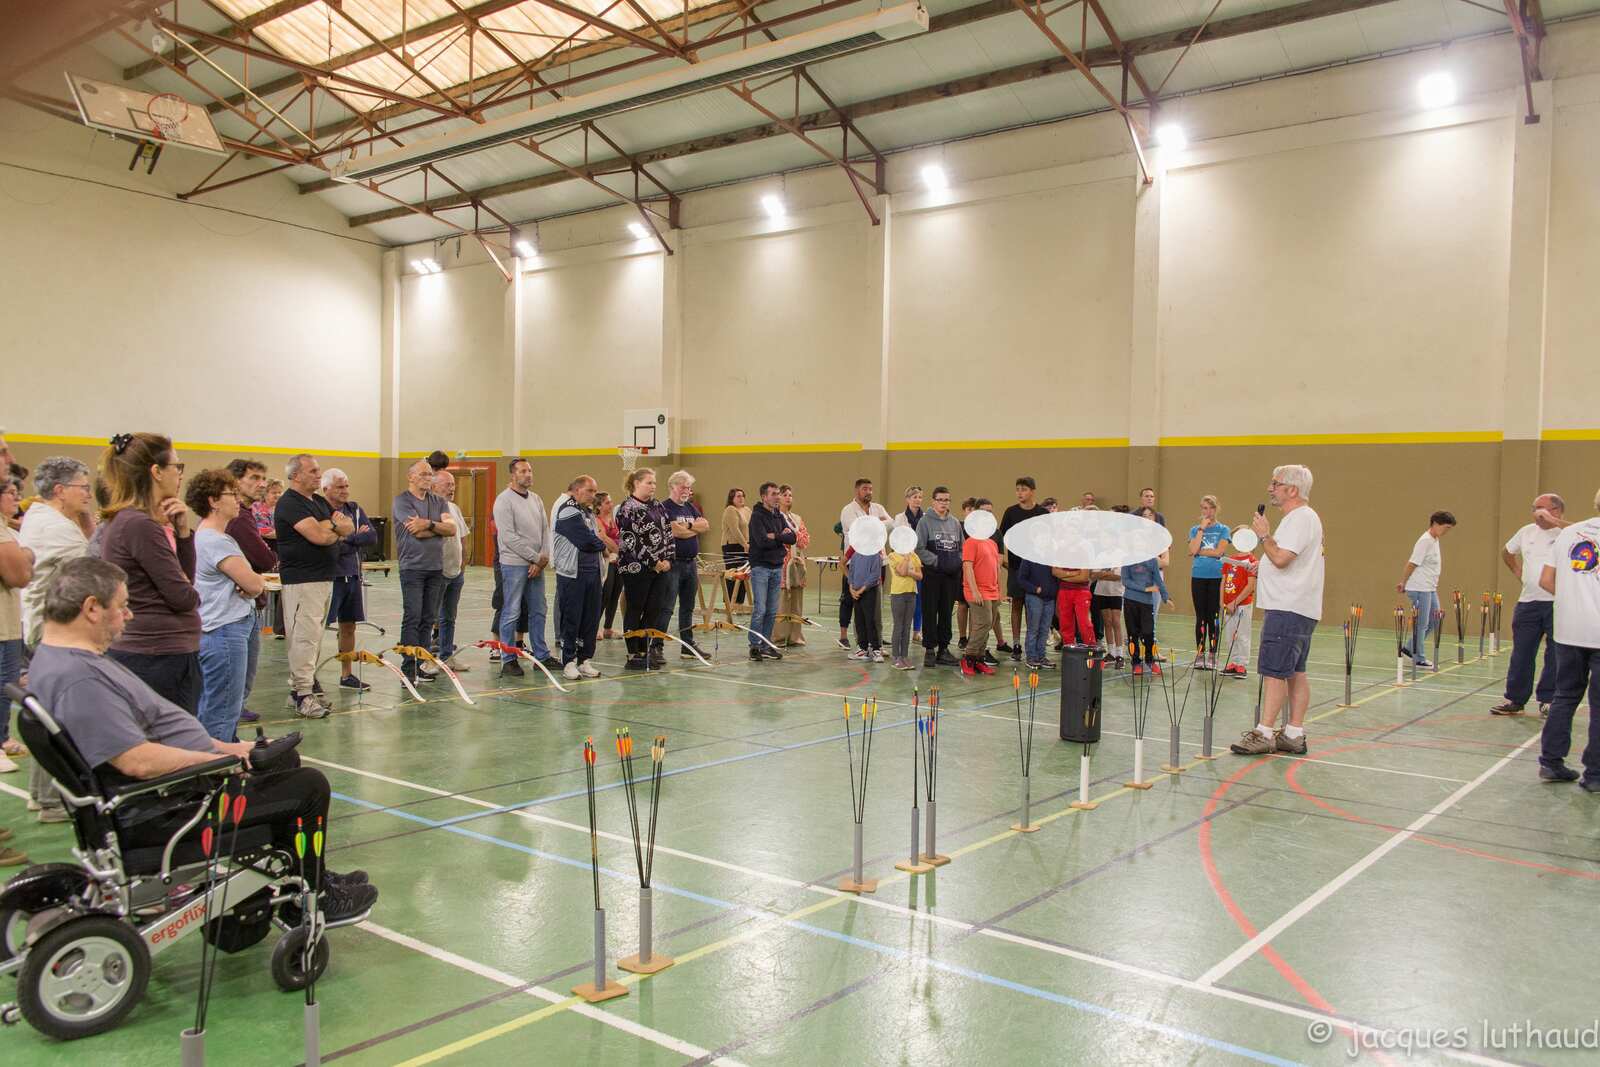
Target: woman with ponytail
x=148, y=535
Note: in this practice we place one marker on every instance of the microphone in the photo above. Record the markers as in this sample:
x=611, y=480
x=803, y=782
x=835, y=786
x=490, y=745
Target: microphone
x=1261, y=509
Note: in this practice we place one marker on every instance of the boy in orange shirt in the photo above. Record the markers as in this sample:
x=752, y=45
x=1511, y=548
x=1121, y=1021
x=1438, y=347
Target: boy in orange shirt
x=1238, y=598
x=980, y=572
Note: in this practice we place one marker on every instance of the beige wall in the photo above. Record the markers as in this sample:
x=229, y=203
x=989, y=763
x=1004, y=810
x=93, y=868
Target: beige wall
x=454, y=351
x=1574, y=267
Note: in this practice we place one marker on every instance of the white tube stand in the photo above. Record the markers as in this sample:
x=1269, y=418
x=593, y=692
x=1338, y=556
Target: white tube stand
x=646, y=961
x=1138, y=767
x=1494, y=644
x=600, y=989
x=192, y=1048
x=313, y=1034
x=1025, y=824
x=1400, y=671
x=930, y=853
x=1083, y=803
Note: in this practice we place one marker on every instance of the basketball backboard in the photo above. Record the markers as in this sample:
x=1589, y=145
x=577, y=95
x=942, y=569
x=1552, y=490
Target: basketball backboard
x=160, y=118
x=648, y=428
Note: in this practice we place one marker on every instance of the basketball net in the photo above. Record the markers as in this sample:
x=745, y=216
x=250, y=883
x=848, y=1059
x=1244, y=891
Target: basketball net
x=167, y=112
x=630, y=457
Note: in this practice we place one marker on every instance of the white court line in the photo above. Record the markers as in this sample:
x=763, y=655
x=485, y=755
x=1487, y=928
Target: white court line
x=1308, y=905
x=588, y=1011
x=1285, y=755
x=910, y=913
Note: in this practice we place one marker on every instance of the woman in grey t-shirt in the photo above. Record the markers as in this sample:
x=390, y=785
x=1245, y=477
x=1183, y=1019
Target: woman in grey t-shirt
x=227, y=586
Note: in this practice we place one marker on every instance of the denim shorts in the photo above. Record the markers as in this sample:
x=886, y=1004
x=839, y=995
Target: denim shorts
x=1285, y=644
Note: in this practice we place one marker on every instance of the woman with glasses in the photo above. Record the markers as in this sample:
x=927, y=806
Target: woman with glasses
x=228, y=586
x=148, y=536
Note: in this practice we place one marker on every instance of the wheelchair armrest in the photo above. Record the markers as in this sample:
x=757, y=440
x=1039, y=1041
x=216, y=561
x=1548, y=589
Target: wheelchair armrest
x=221, y=765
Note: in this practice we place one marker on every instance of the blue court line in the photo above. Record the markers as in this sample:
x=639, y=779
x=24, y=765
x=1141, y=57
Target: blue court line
x=873, y=946
x=768, y=751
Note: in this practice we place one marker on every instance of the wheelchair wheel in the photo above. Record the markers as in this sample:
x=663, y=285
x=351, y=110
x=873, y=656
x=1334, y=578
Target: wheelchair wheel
x=13, y=932
x=83, y=977
x=288, y=969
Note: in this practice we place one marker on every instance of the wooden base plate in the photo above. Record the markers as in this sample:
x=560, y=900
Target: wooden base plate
x=1021, y=829
x=1208, y=758
x=851, y=886
x=1170, y=769
x=1138, y=785
x=1084, y=805
x=588, y=992
x=937, y=860
x=913, y=868
x=657, y=962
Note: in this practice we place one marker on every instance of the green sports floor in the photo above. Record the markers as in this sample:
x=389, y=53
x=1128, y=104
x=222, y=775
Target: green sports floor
x=1409, y=881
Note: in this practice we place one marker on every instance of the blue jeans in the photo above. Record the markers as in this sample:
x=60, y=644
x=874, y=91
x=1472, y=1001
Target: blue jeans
x=764, y=590
x=1040, y=611
x=684, y=579
x=523, y=594
x=254, y=658
x=445, y=646
x=224, y=661
x=10, y=671
x=1577, y=669
x=1531, y=623
x=1425, y=605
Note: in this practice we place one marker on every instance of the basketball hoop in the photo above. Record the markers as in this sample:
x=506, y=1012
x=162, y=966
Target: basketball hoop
x=630, y=456
x=167, y=112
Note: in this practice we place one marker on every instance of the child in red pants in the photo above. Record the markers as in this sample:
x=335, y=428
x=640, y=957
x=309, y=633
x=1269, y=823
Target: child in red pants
x=1072, y=606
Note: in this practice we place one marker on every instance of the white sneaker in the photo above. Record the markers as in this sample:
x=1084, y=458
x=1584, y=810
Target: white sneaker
x=311, y=707
x=860, y=655
x=6, y=766
x=455, y=664
x=570, y=671
x=877, y=655
x=586, y=670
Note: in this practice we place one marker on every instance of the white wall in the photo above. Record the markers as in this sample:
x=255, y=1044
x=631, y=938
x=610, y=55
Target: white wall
x=454, y=355
x=248, y=319
x=1573, y=276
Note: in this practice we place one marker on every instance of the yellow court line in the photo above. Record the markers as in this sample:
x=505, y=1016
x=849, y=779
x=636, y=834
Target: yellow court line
x=755, y=928
x=1446, y=437
x=1020, y=443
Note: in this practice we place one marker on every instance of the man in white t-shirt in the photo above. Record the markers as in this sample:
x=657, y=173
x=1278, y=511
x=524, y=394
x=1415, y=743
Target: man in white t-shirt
x=1525, y=556
x=862, y=505
x=1289, y=590
x=1420, y=583
x=1572, y=575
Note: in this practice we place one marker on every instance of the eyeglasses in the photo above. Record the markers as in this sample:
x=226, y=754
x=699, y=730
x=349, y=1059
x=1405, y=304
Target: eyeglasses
x=76, y=485
x=179, y=466
x=1275, y=484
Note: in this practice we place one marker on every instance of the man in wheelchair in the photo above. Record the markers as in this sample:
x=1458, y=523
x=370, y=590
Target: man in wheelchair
x=143, y=778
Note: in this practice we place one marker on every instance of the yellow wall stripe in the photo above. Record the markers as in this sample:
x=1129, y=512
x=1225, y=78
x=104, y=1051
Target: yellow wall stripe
x=1570, y=435
x=740, y=450
x=974, y=446
x=1439, y=438
x=197, y=446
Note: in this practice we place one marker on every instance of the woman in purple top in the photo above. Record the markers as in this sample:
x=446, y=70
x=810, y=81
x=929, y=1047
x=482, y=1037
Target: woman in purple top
x=148, y=536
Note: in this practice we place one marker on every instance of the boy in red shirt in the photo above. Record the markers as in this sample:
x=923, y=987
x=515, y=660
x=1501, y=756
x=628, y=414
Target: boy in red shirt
x=1238, y=598
x=980, y=571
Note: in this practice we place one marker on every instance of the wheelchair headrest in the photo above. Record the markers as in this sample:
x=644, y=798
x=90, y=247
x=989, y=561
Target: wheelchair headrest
x=50, y=745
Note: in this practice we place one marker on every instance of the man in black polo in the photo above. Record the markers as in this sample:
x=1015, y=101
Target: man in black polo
x=308, y=534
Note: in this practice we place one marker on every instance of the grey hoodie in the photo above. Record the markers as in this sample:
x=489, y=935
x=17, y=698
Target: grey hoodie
x=939, y=543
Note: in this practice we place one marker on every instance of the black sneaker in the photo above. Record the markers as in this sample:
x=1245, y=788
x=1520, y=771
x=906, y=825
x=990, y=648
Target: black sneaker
x=988, y=657
x=511, y=668
x=755, y=655
x=768, y=652
x=1016, y=652
x=689, y=649
x=355, y=877
x=350, y=681
x=636, y=663
x=342, y=901
x=844, y=643
x=316, y=687
x=945, y=659
x=929, y=658
x=425, y=675
x=658, y=659
x=551, y=664
x=1003, y=647
x=1562, y=773
x=1589, y=785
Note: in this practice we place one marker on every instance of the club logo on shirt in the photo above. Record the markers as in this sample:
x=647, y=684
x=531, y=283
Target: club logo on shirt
x=1585, y=556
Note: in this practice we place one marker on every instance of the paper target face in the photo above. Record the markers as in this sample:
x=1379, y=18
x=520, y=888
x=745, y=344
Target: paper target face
x=867, y=536
x=1099, y=540
x=903, y=539
x=981, y=524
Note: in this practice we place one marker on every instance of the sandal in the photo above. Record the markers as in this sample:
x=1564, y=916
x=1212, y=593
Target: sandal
x=13, y=747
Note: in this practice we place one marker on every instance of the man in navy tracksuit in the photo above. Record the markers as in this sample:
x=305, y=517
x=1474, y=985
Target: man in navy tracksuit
x=578, y=550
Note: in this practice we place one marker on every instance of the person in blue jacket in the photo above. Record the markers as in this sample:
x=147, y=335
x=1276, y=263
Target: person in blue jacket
x=1039, y=587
